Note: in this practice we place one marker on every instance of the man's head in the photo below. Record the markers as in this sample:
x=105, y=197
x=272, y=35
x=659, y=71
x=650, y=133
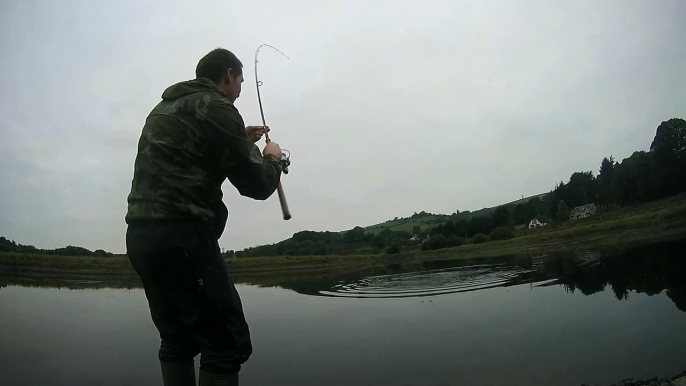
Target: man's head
x=223, y=68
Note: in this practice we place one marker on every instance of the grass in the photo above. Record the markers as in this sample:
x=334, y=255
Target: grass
x=404, y=225
x=640, y=224
x=18, y=260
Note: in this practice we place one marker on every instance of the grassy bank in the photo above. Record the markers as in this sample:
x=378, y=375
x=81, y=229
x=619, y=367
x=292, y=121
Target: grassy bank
x=641, y=224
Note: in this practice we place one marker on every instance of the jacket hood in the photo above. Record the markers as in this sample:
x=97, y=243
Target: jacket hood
x=188, y=87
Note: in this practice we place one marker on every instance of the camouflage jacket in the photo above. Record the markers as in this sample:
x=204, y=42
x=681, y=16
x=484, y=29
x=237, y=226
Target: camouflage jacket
x=191, y=142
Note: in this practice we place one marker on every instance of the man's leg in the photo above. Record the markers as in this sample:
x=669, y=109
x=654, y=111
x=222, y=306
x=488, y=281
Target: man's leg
x=223, y=332
x=193, y=301
x=171, y=288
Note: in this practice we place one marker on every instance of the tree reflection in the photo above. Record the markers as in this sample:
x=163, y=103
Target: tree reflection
x=649, y=269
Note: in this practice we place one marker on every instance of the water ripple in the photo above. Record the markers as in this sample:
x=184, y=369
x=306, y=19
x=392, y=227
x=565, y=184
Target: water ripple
x=429, y=283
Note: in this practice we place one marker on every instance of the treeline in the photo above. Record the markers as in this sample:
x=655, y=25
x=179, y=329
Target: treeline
x=7, y=245
x=642, y=177
x=313, y=243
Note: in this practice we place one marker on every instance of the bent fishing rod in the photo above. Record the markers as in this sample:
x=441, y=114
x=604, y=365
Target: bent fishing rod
x=285, y=162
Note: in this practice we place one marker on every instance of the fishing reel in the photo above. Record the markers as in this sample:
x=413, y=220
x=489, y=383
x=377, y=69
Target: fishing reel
x=285, y=160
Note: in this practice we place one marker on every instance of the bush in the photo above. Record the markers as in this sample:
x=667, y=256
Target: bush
x=500, y=233
x=436, y=242
x=378, y=242
x=480, y=238
x=454, y=241
x=393, y=249
x=375, y=250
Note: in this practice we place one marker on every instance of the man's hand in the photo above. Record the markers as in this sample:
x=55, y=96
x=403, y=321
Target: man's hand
x=272, y=148
x=255, y=133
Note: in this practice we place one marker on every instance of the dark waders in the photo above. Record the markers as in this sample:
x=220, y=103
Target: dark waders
x=193, y=301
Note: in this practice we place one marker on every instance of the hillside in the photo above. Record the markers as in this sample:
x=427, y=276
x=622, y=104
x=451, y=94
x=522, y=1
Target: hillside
x=394, y=235
x=428, y=220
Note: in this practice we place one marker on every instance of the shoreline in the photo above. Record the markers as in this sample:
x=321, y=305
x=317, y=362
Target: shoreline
x=117, y=272
x=633, y=226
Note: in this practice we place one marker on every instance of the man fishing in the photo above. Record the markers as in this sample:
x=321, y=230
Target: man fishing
x=191, y=142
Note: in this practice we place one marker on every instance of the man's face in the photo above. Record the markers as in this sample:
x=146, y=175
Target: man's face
x=232, y=85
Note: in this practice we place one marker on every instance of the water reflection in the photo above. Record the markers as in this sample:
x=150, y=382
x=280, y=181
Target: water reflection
x=531, y=334
x=650, y=270
x=429, y=283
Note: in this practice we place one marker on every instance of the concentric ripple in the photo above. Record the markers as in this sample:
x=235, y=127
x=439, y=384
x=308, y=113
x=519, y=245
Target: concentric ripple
x=428, y=283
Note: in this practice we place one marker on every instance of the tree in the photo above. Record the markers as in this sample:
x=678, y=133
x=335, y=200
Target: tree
x=518, y=214
x=501, y=217
x=633, y=182
x=454, y=241
x=306, y=235
x=479, y=224
x=378, y=242
x=554, y=197
x=306, y=248
x=438, y=229
x=386, y=233
x=7, y=245
x=393, y=249
x=562, y=211
x=355, y=234
x=400, y=235
x=605, y=176
x=462, y=228
x=480, y=238
x=436, y=242
x=416, y=230
x=669, y=155
x=319, y=248
x=531, y=209
x=581, y=189
x=448, y=229
x=500, y=233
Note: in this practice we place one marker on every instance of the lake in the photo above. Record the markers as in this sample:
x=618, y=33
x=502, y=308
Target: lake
x=594, y=317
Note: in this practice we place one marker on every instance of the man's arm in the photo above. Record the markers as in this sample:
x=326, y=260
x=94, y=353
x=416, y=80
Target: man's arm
x=254, y=175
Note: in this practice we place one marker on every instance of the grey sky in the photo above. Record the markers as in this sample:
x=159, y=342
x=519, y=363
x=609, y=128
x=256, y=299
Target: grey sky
x=387, y=107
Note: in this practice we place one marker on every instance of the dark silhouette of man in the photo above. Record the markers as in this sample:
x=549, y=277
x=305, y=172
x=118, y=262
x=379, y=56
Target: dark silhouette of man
x=191, y=142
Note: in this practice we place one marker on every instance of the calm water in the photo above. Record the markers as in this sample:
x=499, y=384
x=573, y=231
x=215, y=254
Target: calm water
x=590, y=318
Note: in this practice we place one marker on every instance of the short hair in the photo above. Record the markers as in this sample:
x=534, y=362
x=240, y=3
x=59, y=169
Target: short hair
x=214, y=65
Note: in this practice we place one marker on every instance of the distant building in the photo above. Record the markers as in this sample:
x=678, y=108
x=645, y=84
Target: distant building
x=539, y=221
x=582, y=211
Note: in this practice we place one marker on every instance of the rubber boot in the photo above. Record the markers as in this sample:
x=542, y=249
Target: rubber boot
x=207, y=379
x=178, y=374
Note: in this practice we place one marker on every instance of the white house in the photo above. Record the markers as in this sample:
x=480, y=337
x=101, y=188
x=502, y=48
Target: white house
x=582, y=211
x=538, y=221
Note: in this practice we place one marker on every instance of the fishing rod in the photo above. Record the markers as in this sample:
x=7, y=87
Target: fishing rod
x=285, y=155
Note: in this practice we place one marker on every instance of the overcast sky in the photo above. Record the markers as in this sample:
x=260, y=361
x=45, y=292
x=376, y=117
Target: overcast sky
x=388, y=107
